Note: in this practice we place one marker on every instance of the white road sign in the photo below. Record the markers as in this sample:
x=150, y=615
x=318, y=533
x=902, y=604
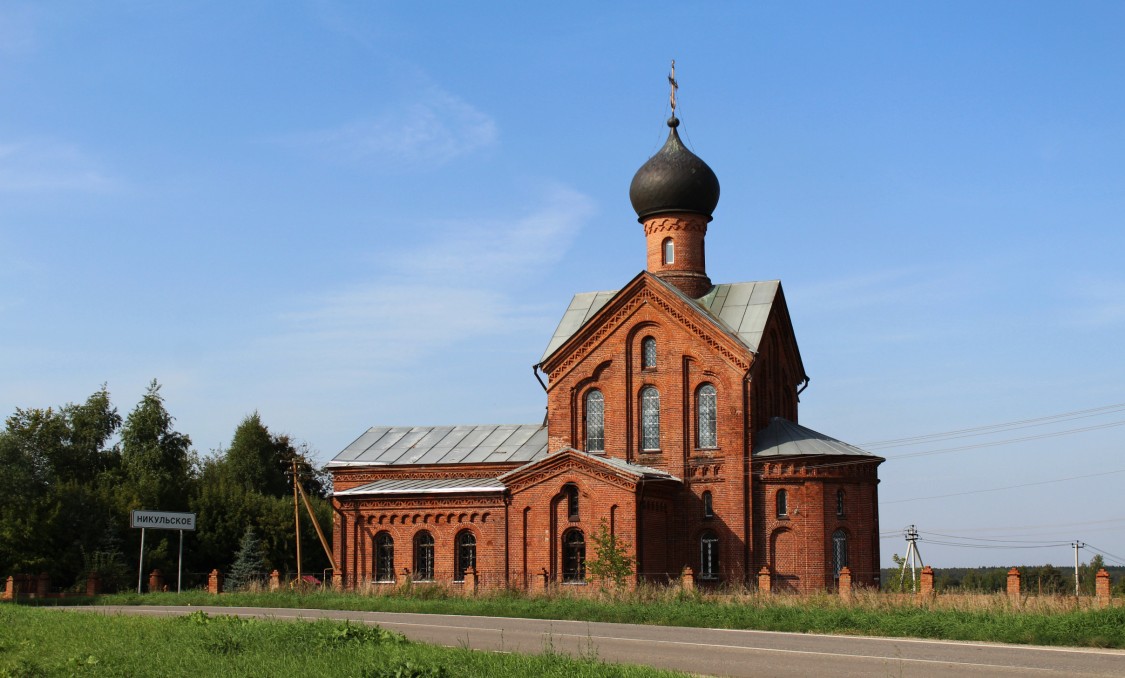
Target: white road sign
x=164, y=520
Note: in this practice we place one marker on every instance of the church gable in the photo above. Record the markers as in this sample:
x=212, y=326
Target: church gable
x=620, y=474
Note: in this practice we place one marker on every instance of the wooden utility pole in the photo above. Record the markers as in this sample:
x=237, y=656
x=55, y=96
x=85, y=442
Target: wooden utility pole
x=297, y=519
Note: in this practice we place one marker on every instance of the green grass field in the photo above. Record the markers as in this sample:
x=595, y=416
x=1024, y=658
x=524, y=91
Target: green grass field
x=41, y=642
x=1038, y=621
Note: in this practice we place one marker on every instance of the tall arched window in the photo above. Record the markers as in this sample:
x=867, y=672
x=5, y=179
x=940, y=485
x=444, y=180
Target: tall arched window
x=595, y=421
x=384, y=557
x=423, y=557
x=650, y=418
x=782, y=504
x=839, y=551
x=709, y=555
x=707, y=415
x=708, y=507
x=570, y=491
x=648, y=353
x=466, y=556
x=840, y=503
x=574, y=556
x=669, y=248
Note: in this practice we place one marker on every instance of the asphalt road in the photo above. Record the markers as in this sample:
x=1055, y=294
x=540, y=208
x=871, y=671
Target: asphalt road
x=709, y=652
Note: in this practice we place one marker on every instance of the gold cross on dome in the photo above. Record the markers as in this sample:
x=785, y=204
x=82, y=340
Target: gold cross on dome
x=674, y=85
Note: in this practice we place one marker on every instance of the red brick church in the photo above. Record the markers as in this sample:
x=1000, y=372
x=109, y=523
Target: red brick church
x=671, y=416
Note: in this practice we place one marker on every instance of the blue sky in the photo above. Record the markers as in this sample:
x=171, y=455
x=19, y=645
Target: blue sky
x=353, y=214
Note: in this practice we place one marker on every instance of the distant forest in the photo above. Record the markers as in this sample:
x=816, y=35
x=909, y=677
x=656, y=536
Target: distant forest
x=1034, y=579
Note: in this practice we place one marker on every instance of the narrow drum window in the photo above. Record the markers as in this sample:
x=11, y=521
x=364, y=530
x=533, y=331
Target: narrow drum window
x=840, y=503
x=669, y=251
x=709, y=556
x=708, y=507
x=648, y=353
x=839, y=551
x=384, y=557
x=424, y=557
x=650, y=418
x=595, y=422
x=466, y=555
x=707, y=415
x=574, y=556
x=782, y=504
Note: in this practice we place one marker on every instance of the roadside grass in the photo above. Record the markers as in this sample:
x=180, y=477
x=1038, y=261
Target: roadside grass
x=40, y=642
x=1042, y=620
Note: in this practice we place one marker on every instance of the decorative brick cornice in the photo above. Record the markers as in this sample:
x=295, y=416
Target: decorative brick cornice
x=666, y=223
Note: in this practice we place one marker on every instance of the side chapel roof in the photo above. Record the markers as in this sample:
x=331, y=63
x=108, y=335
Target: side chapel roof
x=401, y=445
x=783, y=438
x=740, y=308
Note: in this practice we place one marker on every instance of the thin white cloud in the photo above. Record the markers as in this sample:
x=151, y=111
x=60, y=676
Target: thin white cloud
x=465, y=285
x=1098, y=302
x=39, y=166
x=431, y=130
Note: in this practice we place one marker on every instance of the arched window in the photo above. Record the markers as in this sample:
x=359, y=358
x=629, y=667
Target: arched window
x=570, y=491
x=839, y=551
x=650, y=418
x=466, y=556
x=708, y=508
x=384, y=557
x=648, y=353
x=595, y=421
x=574, y=556
x=423, y=557
x=707, y=415
x=840, y=503
x=709, y=555
x=669, y=248
x=782, y=504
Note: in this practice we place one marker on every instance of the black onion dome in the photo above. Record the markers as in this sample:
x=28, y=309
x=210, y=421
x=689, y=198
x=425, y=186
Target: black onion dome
x=674, y=180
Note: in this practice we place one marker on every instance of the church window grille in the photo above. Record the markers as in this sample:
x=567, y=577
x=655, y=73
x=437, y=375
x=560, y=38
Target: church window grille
x=466, y=554
x=708, y=507
x=782, y=504
x=709, y=556
x=574, y=556
x=571, y=492
x=648, y=353
x=650, y=418
x=384, y=557
x=707, y=415
x=424, y=557
x=595, y=421
x=839, y=551
x=669, y=251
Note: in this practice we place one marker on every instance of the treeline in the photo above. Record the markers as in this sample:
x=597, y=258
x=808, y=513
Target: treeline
x=70, y=477
x=1034, y=579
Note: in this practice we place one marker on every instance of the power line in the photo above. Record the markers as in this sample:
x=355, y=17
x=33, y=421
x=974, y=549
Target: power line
x=994, y=428
x=1006, y=487
x=994, y=443
x=1120, y=560
x=1005, y=541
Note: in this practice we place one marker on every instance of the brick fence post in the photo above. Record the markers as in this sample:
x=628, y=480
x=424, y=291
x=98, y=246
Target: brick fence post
x=846, y=583
x=215, y=582
x=471, y=580
x=155, y=581
x=1101, y=587
x=765, y=581
x=1014, y=584
x=275, y=581
x=338, y=581
x=405, y=581
x=10, y=589
x=926, y=588
x=43, y=585
x=544, y=580
x=687, y=579
x=93, y=584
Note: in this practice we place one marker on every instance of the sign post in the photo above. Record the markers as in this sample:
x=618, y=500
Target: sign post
x=162, y=520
